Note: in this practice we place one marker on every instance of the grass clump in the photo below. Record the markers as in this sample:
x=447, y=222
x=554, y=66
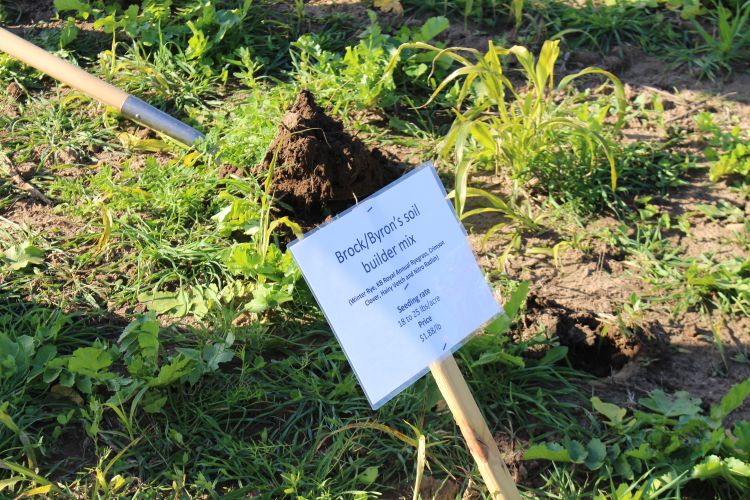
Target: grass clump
x=723, y=44
x=704, y=282
x=522, y=133
x=55, y=131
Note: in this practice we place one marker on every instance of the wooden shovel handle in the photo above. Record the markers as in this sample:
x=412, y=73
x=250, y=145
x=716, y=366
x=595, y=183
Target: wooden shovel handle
x=129, y=105
x=61, y=70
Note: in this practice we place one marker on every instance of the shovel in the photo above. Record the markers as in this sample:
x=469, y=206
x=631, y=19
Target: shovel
x=129, y=105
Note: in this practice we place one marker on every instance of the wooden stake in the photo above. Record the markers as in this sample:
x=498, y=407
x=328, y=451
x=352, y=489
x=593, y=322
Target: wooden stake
x=474, y=429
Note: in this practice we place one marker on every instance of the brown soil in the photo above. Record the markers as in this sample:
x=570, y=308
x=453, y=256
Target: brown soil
x=594, y=346
x=585, y=292
x=228, y=170
x=321, y=169
x=9, y=105
x=439, y=488
x=14, y=91
x=30, y=11
x=42, y=218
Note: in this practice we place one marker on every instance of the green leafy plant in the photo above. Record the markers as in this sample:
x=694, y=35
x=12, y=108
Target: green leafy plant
x=23, y=255
x=273, y=272
x=724, y=283
x=671, y=438
x=356, y=78
x=688, y=9
x=729, y=151
x=519, y=132
x=40, y=364
x=735, y=162
x=205, y=30
x=727, y=42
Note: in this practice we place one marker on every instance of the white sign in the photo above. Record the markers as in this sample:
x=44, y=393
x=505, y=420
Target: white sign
x=397, y=281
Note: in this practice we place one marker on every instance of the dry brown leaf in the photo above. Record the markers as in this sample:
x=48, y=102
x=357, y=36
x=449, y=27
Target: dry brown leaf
x=389, y=6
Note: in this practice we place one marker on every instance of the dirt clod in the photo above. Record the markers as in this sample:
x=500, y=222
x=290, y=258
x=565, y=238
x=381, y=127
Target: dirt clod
x=68, y=156
x=27, y=170
x=320, y=169
x=228, y=170
x=15, y=91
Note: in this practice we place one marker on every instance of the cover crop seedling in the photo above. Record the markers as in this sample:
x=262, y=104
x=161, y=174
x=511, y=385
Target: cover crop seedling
x=156, y=339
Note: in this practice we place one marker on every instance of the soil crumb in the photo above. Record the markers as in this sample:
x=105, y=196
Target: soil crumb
x=322, y=170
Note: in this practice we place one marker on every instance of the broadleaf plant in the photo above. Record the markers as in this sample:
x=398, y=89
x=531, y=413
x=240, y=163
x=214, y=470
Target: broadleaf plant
x=673, y=439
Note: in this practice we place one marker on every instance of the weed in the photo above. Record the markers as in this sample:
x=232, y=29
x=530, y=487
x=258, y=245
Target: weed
x=22, y=256
x=736, y=162
x=518, y=216
x=205, y=29
x=530, y=129
x=700, y=282
x=671, y=439
x=272, y=271
x=356, y=78
x=245, y=131
x=727, y=43
x=716, y=334
x=729, y=152
x=644, y=169
x=610, y=25
x=481, y=11
x=688, y=9
x=45, y=350
x=54, y=129
x=724, y=284
x=164, y=77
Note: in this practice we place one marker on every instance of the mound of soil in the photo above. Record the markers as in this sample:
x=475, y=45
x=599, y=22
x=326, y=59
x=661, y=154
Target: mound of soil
x=320, y=169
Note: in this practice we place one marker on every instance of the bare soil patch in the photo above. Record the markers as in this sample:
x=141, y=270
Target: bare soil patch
x=592, y=347
x=30, y=11
x=42, y=218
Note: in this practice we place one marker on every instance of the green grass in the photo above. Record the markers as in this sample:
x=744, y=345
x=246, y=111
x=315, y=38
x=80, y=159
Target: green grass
x=706, y=37
x=166, y=344
x=526, y=131
x=49, y=128
x=286, y=414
